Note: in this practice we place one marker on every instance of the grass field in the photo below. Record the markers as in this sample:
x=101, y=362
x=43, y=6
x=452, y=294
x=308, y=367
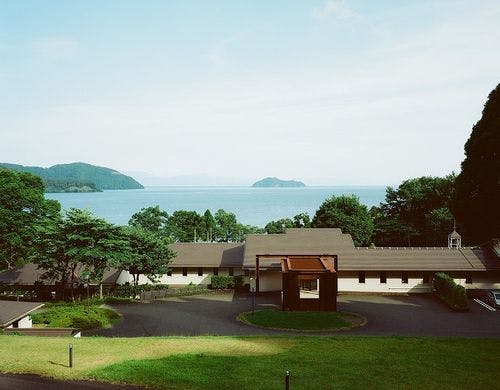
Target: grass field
x=259, y=363
x=298, y=320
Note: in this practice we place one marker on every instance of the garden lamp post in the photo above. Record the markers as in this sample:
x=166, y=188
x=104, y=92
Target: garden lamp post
x=252, y=288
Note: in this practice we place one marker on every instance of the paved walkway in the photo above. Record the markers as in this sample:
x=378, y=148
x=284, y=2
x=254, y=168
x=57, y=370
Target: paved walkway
x=34, y=382
x=215, y=314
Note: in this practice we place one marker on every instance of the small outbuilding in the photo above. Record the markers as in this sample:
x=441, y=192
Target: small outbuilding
x=309, y=281
x=17, y=314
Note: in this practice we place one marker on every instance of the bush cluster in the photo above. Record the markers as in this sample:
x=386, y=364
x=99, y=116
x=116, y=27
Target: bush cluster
x=222, y=282
x=131, y=291
x=451, y=293
x=75, y=316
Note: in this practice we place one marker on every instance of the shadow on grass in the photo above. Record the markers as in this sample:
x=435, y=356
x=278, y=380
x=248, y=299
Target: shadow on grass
x=58, y=364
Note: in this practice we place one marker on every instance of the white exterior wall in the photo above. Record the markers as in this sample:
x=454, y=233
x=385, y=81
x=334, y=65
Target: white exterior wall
x=349, y=281
x=25, y=322
x=270, y=281
x=177, y=279
x=123, y=278
x=479, y=282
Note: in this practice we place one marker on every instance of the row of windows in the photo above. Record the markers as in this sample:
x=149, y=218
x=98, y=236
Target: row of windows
x=404, y=277
x=215, y=271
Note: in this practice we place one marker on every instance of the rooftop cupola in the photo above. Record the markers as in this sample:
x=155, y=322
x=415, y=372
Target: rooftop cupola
x=454, y=239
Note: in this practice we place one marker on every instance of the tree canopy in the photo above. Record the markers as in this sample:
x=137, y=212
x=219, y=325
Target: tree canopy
x=301, y=220
x=152, y=219
x=346, y=212
x=149, y=254
x=416, y=213
x=22, y=208
x=476, y=204
x=79, y=245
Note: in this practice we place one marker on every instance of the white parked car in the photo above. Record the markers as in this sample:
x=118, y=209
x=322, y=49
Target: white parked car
x=494, y=297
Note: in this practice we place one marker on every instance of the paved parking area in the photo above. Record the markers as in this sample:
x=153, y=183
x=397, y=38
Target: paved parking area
x=215, y=314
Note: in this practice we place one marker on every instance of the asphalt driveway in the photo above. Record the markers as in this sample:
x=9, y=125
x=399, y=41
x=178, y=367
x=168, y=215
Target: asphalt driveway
x=419, y=315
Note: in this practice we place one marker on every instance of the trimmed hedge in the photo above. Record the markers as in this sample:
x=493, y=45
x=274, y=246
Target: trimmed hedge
x=222, y=282
x=131, y=291
x=450, y=293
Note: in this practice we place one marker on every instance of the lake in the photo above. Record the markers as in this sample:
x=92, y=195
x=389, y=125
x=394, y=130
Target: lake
x=252, y=206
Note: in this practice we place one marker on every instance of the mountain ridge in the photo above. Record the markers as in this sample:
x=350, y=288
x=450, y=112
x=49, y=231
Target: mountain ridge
x=78, y=177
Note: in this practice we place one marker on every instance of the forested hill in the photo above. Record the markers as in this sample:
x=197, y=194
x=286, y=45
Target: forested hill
x=79, y=177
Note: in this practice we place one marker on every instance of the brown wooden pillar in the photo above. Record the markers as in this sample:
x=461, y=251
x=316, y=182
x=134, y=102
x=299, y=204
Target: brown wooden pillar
x=257, y=274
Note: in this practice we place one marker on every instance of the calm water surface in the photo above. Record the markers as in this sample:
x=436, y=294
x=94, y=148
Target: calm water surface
x=253, y=206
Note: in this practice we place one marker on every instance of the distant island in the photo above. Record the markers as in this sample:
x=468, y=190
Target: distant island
x=78, y=177
x=275, y=182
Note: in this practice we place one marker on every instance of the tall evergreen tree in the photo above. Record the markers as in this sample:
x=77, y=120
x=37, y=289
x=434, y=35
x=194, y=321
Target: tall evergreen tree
x=477, y=201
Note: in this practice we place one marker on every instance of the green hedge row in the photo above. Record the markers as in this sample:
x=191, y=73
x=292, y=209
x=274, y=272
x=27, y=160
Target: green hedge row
x=128, y=290
x=451, y=293
x=222, y=282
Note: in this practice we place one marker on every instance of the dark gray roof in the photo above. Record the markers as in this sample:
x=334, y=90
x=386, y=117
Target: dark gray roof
x=334, y=242
x=454, y=234
x=203, y=254
x=11, y=311
x=29, y=274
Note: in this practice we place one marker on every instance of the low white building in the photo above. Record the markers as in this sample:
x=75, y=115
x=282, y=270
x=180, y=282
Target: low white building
x=360, y=269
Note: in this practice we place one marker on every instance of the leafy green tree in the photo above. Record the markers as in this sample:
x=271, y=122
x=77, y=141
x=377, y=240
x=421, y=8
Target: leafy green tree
x=416, y=213
x=208, y=226
x=226, y=226
x=183, y=225
x=347, y=213
x=279, y=226
x=79, y=246
x=152, y=219
x=476, y=204
x=22, y=208
x=150, y=254
x=302, y=220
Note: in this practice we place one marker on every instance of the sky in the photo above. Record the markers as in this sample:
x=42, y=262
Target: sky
x=327, y=92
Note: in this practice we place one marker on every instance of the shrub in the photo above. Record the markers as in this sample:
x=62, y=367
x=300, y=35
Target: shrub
x=75, y=316
x=221, y=282
x=449, y=292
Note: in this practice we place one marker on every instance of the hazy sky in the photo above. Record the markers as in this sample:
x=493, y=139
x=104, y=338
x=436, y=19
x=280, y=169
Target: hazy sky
x=329, y=92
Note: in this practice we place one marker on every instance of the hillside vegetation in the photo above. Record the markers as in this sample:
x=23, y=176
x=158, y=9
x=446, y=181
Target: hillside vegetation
x=275, y=182
x=78, y=177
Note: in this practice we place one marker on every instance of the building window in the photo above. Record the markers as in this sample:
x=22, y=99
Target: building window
x=215, y=271
x=231, y=271
x=184, y=271
x=247, y=272
x=425, y=278
x=468, y=279
x=383, y=277
x=200, y=271
x=169, y=272
x=404, y=278
x=361, y=277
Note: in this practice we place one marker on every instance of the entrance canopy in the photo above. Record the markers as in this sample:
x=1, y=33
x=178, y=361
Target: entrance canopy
x=317, y=270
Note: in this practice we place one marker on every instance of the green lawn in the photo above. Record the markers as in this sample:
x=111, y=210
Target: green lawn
x=300, y=320
x=82, y=316
x=316, y=362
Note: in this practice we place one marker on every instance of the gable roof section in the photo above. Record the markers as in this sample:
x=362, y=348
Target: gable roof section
x=29, y=274
x=314, y=241
x=11, y=311
x=207, y=254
